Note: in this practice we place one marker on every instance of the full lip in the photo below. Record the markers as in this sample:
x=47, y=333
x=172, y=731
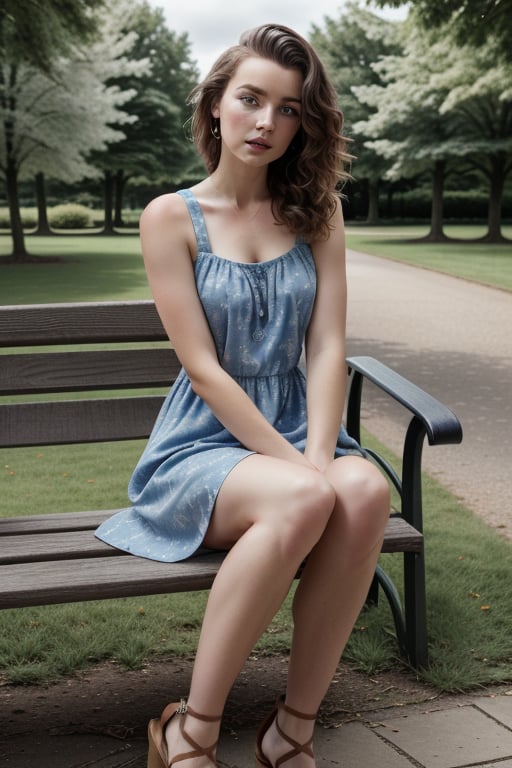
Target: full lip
x=259, y=143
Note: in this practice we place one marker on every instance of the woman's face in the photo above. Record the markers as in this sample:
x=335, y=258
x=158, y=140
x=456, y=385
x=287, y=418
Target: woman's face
x=260, y=111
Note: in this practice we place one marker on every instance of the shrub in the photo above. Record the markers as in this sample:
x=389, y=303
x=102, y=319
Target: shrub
x=70, y=216
x=28, y=218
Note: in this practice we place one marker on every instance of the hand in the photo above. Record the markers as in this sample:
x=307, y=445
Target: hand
x=319, y=460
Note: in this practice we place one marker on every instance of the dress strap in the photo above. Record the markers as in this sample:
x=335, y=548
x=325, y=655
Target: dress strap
x=196, y=214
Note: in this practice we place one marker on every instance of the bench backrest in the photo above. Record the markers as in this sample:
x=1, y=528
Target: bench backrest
x=87, y=348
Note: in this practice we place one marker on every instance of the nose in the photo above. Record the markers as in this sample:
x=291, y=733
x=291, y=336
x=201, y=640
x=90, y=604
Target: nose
x=266, y=119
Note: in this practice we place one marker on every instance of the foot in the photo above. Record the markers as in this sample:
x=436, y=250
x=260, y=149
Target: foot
x=192, y=739
x=286, y=737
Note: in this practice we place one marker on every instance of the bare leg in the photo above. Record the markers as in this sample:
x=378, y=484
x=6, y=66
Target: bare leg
x=331, y=593
x=271, y=513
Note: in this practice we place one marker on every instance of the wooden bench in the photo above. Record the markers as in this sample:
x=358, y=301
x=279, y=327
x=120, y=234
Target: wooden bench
x=55, y=558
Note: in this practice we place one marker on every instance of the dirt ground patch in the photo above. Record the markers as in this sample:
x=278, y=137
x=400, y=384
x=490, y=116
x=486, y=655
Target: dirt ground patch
x=109, y=700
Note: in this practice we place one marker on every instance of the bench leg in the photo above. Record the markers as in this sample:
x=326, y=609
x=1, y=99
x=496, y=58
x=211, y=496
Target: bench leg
x=416, y=609
x=411, y=624
x=381, y=578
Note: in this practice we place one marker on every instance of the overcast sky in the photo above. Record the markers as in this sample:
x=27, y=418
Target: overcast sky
x=213, y=25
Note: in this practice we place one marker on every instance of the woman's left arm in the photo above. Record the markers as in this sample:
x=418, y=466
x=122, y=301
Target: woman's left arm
x=325, y=347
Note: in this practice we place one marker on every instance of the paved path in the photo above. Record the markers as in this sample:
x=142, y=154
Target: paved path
x=453, y=338
x=102, y=727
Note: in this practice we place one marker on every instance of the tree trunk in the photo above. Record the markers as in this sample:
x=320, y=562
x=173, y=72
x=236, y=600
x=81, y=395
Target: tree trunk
x=119, y=182
x=498, y=174
x=373, y=201
x=108, y=228
x=436, y=233
x=19, y=251
x=43, y=227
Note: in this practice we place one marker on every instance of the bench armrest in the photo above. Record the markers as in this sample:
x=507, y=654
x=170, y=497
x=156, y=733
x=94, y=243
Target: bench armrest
x=441, y=425
x=429, y=417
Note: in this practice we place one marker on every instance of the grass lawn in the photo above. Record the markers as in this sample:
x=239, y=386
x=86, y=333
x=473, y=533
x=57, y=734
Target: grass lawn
x=92, y=268
x=481, y=262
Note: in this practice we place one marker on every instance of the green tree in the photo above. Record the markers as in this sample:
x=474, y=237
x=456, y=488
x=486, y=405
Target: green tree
x=443, y=107
x=349, y=46
x=154, y=147
x=479, y=106
x=50, y=122
x=405, y=125
x=39, y=31
x=473, y=22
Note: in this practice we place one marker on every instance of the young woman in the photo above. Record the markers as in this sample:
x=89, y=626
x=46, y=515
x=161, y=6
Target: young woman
x=245, y=268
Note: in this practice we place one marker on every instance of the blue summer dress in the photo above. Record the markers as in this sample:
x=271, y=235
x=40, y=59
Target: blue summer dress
x=258, y=315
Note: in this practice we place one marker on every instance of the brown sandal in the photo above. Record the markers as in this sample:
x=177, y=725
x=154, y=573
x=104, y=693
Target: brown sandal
x=157, y=754
x=296, y=747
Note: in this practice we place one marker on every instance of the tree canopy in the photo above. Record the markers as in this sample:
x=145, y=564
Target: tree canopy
x=472, y=22
x=39, y=31
x=51, y=121
x=440, y=103
x=349, y=48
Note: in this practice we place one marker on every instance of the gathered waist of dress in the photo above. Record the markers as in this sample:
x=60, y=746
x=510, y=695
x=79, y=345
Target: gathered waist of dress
x=248, y=380
x=265, y=376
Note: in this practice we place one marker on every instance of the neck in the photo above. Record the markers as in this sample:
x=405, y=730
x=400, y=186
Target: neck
x=241, y=193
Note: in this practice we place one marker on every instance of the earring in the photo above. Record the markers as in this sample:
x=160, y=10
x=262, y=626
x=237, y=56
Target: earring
x=215, y=128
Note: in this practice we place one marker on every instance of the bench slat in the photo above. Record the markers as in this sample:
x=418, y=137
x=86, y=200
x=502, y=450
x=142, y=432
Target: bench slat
x=78, y=421
x=81, y=322
x=40, y=547
x=65, y=544
x=67, y=581
x=54, y=522
x=91, y=370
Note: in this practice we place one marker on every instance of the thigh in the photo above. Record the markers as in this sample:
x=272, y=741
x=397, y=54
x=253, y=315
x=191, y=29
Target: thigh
x=262, y=488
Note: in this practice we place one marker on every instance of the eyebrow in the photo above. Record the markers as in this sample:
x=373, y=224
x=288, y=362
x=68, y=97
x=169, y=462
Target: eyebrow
x=262, y=92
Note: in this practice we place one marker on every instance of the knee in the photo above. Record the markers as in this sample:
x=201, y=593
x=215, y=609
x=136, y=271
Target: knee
x=363, y=506
x=376, y=495
x=311, y=501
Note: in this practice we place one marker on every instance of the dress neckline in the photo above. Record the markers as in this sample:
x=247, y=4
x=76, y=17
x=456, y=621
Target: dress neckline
x=203, y=241
x=250, y=264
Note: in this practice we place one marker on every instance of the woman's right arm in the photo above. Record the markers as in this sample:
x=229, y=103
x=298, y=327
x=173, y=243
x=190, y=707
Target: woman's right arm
x=165, y=231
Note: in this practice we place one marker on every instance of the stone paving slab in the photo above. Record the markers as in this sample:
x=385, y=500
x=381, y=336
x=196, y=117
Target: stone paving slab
x=471, y=731
x=72, y=751
x=499, y=707
x=351, y=746
x=452, y=738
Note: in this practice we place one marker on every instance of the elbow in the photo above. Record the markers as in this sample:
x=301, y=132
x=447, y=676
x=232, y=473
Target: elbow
x=199, y=385
x=204, y=381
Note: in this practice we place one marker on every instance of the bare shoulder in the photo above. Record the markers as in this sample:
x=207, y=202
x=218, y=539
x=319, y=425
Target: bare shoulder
x=333, y=247
x=166, y=227
x=164, y=210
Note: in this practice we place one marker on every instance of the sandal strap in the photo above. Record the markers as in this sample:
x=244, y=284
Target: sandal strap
x=206, y=718
x=295, y=712
x=197, y=749
x=297, y=747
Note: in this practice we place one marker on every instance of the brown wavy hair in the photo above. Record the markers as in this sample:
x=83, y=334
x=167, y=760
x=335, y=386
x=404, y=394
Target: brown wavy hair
x=304, y=182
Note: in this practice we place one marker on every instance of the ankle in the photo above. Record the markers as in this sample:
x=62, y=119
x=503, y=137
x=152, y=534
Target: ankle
x=297, y=728
x=286, y=736
x=192, y=730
